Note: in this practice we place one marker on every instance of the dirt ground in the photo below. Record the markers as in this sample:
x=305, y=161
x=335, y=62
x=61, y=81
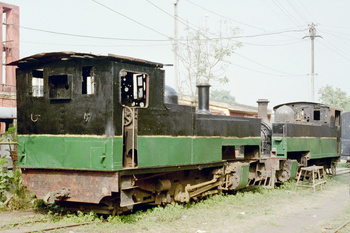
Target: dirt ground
x=306, y=217
x=315, y=218
x=323, y=212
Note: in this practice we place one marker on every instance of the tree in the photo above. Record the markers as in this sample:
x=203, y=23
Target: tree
x=202, y=55
x=222, y=95
x=335, y=97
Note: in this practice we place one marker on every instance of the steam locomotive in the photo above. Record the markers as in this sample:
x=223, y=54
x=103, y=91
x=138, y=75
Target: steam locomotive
x=104, y=133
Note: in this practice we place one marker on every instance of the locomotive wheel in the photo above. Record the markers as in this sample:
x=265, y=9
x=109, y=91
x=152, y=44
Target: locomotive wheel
x=284, y=175
x=180, y=195
x=127, y=116
x=334, y=169
x=178, y=192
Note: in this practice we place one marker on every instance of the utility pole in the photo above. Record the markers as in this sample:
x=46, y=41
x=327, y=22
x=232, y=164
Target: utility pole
x=176, y=58
x=312, y=35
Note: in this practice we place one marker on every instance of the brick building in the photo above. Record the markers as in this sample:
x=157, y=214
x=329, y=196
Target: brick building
x=10, y=53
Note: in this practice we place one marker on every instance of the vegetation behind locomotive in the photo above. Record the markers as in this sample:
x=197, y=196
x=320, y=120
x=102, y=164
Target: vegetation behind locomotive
x=95, y=132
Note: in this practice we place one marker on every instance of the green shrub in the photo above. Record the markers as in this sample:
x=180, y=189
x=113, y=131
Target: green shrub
x=6, y=181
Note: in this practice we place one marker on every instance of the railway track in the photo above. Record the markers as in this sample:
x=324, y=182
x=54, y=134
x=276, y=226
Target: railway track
x=59, y=227
x=24, y=228
x=341, y=227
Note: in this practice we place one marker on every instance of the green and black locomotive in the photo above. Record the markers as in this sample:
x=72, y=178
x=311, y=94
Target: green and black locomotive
x=98, y=133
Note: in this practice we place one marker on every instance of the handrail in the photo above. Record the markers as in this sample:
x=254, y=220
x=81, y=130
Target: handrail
x=8, y=143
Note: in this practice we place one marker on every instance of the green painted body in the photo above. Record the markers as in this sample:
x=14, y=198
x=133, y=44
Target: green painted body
x=162, y=151
x=105, y=153
x=318, y=147
x=294, y=169
x=69, y=152
x=244, y=176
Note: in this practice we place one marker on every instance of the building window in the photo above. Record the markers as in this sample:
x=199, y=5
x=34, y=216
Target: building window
x=88, y=81
x=38, y=83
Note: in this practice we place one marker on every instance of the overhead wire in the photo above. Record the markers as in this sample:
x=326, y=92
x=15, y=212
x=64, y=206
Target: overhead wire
x=339, y=47
x=179, y=19
x=298, y=11
x=151, y=40
x=325, y=25
x=337, y=34
x=334, y=49
x=273, y=45
x=225, y=17
x=289, y=74
x=286, y=12
x=168, y=38
x=88, y=36
x=155, y=40
x=98, y=46
x=269, y=33
x=305, y=8
x=261, y=72
x=131, y=19
x=278, y=15
x=182, y=21
x=283, y=74
x=336, y=41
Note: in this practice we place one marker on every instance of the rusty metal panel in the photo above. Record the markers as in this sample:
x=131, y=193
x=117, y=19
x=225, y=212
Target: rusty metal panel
x=84, y=186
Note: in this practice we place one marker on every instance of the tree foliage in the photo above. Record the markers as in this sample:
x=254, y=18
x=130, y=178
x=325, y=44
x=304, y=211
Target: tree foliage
x=335, y=97
x=202, y=55
x=222, y=95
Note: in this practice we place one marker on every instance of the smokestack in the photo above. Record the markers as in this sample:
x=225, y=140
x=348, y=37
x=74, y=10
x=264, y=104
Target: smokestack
x=262, y=109
x=203, y=99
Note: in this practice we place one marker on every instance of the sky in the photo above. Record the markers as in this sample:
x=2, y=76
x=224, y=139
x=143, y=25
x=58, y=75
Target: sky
x=274, y=61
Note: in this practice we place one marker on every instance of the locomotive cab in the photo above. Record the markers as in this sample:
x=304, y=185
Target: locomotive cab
x=307, y=132
x=307, y=113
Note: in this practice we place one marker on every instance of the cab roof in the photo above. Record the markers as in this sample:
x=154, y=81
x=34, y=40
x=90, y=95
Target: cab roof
x=307, y=103
x=41, y=58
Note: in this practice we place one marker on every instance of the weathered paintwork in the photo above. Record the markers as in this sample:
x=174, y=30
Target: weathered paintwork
x=102, y=153
x=318, y=141
x=294, y=169
x=70, y=152
x=185, y=150
x=318, y=147
x=84, y=186
x=244, y=175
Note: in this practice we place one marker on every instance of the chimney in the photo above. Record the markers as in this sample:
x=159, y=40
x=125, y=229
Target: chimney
x=262, y=109
x=203, y=99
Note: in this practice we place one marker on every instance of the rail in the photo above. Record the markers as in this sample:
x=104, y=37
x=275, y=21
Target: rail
x=59, y=227
x=20, y=225
x=341, y=227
